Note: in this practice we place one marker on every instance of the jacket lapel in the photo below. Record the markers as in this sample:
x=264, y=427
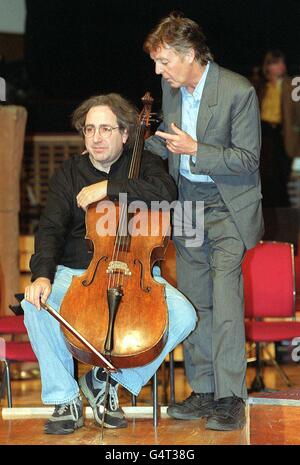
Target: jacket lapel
x=174, y=115
x=209, y=99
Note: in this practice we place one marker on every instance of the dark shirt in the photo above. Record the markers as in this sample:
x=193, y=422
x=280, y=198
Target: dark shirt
x=60, y=238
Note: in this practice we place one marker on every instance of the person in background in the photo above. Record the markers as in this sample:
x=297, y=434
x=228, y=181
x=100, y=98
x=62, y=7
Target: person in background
x=280, y=120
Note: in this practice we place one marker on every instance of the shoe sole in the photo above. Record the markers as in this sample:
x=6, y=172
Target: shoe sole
x=78, y=424
x=217, y=427
x=87, y=393
x=181, y=416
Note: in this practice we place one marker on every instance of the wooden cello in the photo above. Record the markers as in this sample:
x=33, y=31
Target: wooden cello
x=116, y=304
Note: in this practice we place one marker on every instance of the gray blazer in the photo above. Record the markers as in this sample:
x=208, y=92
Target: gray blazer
x=228, y=132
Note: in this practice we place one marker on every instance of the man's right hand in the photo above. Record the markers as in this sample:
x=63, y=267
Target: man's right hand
x=39, y=289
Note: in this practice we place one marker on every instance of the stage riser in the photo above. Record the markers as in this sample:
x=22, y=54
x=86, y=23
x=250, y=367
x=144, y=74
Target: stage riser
x=274, y=424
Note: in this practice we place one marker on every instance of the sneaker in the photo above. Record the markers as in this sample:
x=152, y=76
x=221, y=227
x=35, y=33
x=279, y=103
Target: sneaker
x=194, y=407
x=95, y=392
x=229, y=415
x=66, y=418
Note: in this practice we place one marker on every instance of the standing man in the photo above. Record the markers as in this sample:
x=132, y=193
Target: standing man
x=211, y=137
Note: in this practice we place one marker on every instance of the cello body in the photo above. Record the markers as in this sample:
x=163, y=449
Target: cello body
x=141, y=322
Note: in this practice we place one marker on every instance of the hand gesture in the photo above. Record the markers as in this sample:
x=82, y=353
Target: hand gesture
x=180, y=142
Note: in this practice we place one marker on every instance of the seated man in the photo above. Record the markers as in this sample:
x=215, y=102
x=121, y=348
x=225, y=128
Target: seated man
x=108, y=124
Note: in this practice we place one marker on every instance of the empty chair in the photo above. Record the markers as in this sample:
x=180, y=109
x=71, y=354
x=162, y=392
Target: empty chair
x=269, y=285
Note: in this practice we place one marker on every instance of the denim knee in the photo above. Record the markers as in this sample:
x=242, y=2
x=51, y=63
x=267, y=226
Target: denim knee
x=35, y=319
x=30, y=311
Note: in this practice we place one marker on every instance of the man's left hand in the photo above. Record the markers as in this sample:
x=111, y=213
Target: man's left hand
x=180, y=142
x=92, y=193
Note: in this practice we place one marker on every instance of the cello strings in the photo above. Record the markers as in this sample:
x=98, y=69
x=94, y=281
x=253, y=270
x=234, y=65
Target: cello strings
x=117, y=242
x=133, y=173
x=124, y=217
x=120, y=243
x=118, y=246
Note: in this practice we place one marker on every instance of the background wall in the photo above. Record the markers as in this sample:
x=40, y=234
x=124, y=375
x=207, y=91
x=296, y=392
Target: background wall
x=98, y=44
x=77, y=48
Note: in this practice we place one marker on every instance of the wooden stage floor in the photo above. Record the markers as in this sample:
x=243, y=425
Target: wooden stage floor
x=140, y=431
x=266, y=424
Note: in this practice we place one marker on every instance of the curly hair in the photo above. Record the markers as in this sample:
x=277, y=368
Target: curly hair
x=126, y=113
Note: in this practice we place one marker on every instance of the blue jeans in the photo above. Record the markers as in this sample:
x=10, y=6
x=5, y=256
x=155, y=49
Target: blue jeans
x=55, y=360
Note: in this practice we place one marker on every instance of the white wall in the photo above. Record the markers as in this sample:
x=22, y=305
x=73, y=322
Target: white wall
x=12, y=16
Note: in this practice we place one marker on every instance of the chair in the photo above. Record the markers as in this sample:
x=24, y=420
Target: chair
x=269, y=287
x=12, y=351
x=12, y=325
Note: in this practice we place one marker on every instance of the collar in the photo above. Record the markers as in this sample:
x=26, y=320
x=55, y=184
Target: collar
x=199, y=87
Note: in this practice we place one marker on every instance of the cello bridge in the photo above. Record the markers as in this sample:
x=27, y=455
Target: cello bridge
x=117, y=267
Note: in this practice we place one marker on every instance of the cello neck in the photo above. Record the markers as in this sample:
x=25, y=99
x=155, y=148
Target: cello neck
x=144, y=123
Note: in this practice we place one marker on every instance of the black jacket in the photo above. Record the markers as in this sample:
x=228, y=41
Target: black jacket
x=60, y=238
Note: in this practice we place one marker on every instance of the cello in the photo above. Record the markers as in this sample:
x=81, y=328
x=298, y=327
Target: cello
x=116, y=305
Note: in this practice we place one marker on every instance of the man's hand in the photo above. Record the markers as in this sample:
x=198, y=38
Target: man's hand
x=39, y=289
x=92, y=193
x=180, y=142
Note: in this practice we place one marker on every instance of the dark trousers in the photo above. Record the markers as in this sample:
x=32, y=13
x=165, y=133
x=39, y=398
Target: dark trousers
x=210, y=276
x=275, y=167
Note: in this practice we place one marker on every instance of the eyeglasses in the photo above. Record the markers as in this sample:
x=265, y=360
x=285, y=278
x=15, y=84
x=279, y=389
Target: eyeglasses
x=103, y=129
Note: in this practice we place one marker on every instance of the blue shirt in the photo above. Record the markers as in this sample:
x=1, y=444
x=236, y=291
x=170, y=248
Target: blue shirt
x=189, y=115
